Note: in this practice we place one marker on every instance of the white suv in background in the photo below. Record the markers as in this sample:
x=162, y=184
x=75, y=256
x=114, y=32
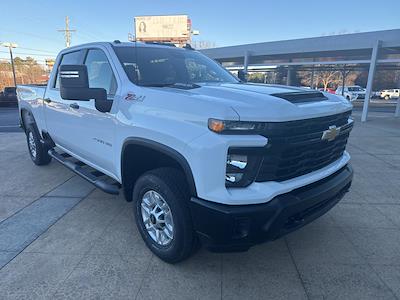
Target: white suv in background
x=352, y=92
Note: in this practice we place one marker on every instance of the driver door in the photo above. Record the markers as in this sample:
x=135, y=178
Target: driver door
x=91, y=131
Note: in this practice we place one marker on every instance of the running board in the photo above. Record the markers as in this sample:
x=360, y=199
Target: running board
x=86, y=172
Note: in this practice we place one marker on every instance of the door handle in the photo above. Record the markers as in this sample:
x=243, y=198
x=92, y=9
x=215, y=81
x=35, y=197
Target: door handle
x=74, y=105
x=47, y=100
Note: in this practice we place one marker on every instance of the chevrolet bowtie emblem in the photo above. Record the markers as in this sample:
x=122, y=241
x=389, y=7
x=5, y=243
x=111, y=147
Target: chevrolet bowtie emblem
x=331, y=133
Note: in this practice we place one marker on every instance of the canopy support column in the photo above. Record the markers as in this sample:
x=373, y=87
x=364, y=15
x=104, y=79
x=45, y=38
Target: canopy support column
x=371, y=74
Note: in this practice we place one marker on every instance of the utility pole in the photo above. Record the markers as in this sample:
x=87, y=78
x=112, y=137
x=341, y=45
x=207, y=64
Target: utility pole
x=10, y=46
x=67, y=32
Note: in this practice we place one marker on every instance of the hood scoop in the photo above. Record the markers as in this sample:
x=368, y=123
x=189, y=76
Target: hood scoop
x=301, y=97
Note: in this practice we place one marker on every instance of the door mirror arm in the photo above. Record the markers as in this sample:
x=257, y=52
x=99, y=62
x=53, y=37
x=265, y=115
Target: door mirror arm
x=103, y=105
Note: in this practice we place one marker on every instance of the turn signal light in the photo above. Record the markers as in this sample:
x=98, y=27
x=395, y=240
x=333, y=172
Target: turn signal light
x=216, y=125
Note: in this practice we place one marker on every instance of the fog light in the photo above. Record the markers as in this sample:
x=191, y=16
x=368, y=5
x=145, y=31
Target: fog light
x=242, y=165
x=233, y=177
x=238, y=161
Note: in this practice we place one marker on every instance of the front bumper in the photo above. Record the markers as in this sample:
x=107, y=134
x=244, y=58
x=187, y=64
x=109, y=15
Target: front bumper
x=238, y=227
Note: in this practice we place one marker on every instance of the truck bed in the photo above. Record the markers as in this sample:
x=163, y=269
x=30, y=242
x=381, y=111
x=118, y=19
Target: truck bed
x=30, y=98
x=28, y=92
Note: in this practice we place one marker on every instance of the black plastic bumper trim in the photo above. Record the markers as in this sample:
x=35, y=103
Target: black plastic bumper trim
x=237, y=227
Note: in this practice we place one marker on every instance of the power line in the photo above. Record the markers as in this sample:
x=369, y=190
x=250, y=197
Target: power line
x=85, y=37
x=30, y=54
x=67, y=32
x=4, y=60
x=85, y=25
x=23, y=61
x=38, y=50
x=31, y=35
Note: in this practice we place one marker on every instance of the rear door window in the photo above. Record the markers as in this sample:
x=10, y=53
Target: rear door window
x=71, y=58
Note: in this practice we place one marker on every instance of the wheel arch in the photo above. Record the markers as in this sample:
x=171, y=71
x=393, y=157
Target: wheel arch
x=27, y=118
x=165, y=156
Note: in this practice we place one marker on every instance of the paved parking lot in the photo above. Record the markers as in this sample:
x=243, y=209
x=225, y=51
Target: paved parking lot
x=9, y=119
x=61, y=238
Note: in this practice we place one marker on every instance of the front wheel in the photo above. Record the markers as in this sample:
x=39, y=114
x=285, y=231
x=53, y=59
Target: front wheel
x=387, y=97
x=37, y=150
x=162, y=214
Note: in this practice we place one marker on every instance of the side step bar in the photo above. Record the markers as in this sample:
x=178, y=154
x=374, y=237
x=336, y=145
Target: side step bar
x=91, y=176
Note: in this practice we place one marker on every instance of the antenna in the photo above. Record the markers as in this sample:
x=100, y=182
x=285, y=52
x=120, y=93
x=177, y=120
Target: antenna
x=67, y=32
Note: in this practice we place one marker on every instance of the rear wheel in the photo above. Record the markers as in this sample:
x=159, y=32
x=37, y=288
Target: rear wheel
x=162, y=214
x=37, y=150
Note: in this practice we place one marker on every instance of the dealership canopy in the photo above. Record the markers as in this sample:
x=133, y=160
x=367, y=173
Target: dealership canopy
x=358, y=50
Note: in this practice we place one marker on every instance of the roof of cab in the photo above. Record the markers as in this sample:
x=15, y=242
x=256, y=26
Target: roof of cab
x=125, y=44
x=143, y=44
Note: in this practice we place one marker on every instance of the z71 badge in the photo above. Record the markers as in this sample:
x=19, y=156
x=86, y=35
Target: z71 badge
x=134, y=97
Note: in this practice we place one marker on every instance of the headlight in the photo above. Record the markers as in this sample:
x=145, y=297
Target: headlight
x=235, y=127
x=242, y=166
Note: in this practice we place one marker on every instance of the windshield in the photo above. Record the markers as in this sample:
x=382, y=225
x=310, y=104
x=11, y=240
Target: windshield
x=355, y=89
x=164, y=66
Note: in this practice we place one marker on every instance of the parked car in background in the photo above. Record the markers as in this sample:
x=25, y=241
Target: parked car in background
x=328, y=90
x=352, y=92
x=390, y=94
x=8, y=97
x=376, y=94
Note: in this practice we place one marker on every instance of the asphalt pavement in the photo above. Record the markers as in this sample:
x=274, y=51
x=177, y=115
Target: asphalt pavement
x=376, y=105
x=9, y=121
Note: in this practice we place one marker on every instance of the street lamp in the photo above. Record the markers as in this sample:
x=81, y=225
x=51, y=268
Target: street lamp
x=10, y=46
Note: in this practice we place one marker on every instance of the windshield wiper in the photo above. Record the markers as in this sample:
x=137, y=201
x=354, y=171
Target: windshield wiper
x=179, y=85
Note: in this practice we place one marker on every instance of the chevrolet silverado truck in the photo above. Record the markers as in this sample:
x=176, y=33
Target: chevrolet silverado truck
x=205, y=158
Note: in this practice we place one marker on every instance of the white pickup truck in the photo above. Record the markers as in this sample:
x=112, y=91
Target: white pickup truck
x=205, y=158
x=390, y=94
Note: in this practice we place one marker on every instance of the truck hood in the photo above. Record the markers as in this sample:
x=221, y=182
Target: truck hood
x=261, y=102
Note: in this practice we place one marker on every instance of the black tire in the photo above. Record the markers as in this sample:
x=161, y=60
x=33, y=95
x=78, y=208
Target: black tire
x=37, y=150
x=171, y=185
x=348, y=98
x=387, y=97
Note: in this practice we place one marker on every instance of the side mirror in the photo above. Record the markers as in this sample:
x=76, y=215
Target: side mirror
x=74, y=85
x=242, y=75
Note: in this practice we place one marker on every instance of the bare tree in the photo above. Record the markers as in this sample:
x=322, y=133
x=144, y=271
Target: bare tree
x=27, y=71
x=328, y=77
x=325, y=78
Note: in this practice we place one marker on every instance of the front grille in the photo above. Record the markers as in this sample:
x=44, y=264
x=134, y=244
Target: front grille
x=295, y=148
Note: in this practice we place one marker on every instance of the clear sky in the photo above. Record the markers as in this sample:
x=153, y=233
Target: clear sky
x=34, y=24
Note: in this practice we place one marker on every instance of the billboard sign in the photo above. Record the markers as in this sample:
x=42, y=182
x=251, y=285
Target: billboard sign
x=162, y=28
